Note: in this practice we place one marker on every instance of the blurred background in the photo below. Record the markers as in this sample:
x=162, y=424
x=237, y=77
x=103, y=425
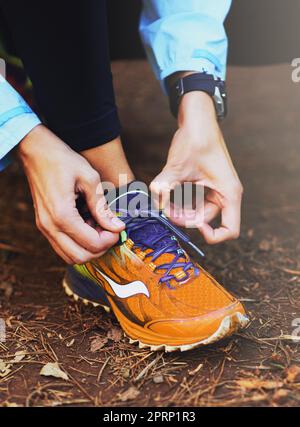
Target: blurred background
x=259, y=31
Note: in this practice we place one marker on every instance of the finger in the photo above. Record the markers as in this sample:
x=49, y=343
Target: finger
x=97, y=204
x=108, y=239
x=106, y=218
x=59, y=251
x=47, y=228
x=230, y=226
x=69, y=251
x=161, y=188
x=187, y=217
x=73, y=251
x=190, y=218
x=211, y=211
x=72, y=224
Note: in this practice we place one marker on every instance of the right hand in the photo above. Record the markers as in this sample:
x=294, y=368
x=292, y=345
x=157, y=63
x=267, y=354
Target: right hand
x=198, y=154
x=57, y=175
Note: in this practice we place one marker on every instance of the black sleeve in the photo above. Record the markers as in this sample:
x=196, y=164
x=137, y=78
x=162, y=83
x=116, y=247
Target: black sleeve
x=65, y=51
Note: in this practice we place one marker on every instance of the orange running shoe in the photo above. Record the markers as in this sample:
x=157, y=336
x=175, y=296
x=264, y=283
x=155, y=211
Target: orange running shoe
x=161, y=297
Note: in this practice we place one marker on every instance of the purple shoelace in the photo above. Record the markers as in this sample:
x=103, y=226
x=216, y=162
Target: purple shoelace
x=151, y=230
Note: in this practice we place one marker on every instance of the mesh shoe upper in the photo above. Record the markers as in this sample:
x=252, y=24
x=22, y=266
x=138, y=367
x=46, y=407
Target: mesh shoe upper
x=178, y=288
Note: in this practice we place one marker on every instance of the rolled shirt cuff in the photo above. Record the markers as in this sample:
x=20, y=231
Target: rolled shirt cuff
x=13, y=131
x=194, y=64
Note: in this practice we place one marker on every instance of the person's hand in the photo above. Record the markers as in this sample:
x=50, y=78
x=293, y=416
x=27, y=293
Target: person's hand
x=198, y=154
x=57, y=176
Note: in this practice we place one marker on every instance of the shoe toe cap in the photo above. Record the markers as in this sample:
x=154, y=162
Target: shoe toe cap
x=202, y=327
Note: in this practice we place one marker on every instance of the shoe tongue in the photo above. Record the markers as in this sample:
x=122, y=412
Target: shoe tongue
x=132, y=204
x=148, y=233
x=129, y=204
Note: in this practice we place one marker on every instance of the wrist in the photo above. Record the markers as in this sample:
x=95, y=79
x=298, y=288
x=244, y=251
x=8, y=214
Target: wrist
x=196, y=107
x=28, y=143
x=38, y=142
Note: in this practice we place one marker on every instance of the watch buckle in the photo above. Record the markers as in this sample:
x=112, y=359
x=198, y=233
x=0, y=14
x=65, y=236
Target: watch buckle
x=180, y=88
x=220, y=102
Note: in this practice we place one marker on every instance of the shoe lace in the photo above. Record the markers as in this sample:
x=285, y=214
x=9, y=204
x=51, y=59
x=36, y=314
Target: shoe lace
x=161, y=242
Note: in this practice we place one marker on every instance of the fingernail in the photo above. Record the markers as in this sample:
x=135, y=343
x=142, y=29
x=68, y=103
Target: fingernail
x=117, y=222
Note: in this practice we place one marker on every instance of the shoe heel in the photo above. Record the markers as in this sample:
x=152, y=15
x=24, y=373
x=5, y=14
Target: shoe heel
x=84, y=289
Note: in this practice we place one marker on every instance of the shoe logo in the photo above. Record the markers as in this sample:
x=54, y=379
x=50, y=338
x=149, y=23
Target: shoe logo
x=125, y=291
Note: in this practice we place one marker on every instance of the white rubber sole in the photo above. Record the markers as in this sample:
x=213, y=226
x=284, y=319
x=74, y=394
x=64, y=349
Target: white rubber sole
x=228, y=326
x=76, y=298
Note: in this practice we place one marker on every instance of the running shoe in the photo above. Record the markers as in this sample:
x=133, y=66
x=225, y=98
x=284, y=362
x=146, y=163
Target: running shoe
x=162, y=297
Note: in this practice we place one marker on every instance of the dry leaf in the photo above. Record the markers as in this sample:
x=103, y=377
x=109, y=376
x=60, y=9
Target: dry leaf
x=293, y=374
x=125, y=372
x=115, y=334
x=264, y=245
x=258, y=397
x=158, y=379
x=10, y=405
x=19, y=355
x=53, y=370
x=255, y=384
x=42, y=313
x=5, y=369
x=280, y=394
x=70, y=343
x=98, y=343
x=129, y=394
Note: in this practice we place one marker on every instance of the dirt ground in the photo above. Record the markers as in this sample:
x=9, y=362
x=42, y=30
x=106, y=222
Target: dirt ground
x=259, y=366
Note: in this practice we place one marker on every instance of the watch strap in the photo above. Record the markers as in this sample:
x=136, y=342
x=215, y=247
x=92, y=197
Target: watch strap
x=195, y=82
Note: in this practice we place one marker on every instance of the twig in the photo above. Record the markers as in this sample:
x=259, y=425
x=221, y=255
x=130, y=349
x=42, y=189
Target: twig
x=102, y=368
x=146, y=369
x=10, y=248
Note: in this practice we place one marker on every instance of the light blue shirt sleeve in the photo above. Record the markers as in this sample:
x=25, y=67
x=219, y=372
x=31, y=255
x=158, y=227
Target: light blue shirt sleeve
x=185, y=35
x=16, y=120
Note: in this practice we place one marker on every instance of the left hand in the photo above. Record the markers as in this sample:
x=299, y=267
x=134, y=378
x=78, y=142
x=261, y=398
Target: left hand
x=198, y=154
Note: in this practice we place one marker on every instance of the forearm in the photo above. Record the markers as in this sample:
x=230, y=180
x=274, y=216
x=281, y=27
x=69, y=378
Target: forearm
x=16, y=120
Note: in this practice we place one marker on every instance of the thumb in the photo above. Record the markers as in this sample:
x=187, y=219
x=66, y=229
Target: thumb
x=97, y=204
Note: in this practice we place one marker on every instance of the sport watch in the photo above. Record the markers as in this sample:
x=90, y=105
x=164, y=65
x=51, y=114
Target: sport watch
x=215, y=87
